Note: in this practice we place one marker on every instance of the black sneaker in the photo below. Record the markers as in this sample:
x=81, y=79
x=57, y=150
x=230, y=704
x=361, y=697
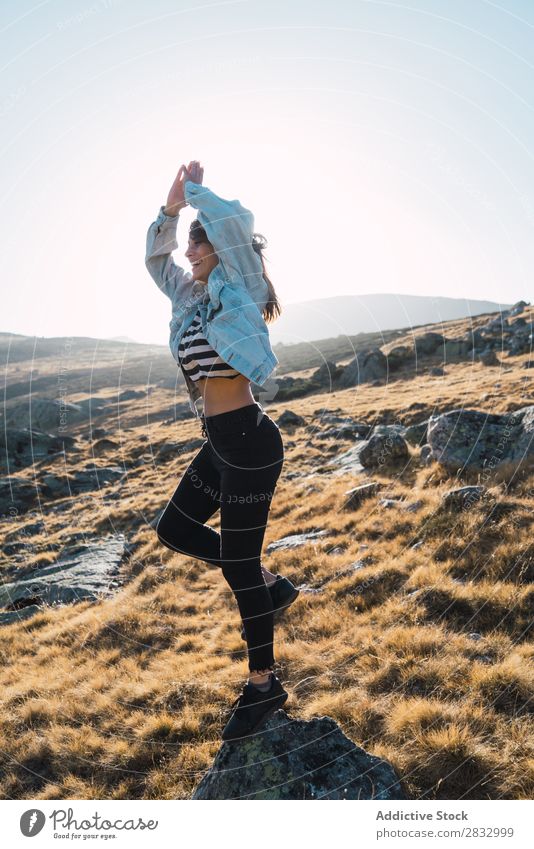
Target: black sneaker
x=251, y=709
x=283, y=593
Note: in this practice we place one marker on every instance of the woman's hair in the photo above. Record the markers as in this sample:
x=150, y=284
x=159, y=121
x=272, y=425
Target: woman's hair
x=272, y=308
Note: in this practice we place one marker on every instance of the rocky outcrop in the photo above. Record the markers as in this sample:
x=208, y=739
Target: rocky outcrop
x=88, y=571
x=84, y=480
x=297, y=759
x=54, y=415
x=472, y=439
x=289, y=419
x=365, y=367
x=22, y=447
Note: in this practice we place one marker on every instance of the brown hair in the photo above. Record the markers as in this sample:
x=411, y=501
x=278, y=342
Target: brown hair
x=272, y=308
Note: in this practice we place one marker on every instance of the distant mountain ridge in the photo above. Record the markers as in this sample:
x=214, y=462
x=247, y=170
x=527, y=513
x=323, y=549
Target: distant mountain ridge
x=305, y=321
x=320, y=318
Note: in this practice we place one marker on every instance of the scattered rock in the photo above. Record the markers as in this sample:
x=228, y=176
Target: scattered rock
x=489, y=358
x=388, y=503
x=470, y=438
x=86, y=572
x=456, y=348
x=415, y=434
x=384, y=449
x=290, y=419
x=463, y=498
x=518, y=307
x=130, y=394
x=22, y=447
x=43, y=414
x=102, y=446
x=436, y=371
x=428, y=343
x=355, y=497
x=326, y=374
x=17, y=496
x=414, y=507
x=297, y=759
x=366, y=366
x=348, y=461
x=295, y=540
x=85, y=480
x=30, y=530
x=425, y=455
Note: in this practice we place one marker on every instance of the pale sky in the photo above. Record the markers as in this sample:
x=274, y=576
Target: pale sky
x=382, y=146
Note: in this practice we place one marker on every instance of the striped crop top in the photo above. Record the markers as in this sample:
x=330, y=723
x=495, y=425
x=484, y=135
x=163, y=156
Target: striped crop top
x=198, y=357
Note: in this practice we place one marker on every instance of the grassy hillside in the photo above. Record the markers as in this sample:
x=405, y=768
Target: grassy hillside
x=423, y=654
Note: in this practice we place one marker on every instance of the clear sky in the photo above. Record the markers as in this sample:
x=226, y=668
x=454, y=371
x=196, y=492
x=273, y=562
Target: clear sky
x=383, y=146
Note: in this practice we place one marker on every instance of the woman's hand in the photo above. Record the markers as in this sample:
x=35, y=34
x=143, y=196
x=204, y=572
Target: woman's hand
x=176, y=198
x=194, y=172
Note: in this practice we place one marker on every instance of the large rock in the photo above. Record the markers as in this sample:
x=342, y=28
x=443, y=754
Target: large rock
x=22, y=447
x=297, y=759
x=428, y=343
x=326, y=374
x=384, y=449
x=49, y=415
x=366, y=366
x=83, y=480
x=87, y=572
x=473, y=439
x=17, y=497
x=456, y=348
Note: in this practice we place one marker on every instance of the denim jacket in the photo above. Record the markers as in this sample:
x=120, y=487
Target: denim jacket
x=232, y=301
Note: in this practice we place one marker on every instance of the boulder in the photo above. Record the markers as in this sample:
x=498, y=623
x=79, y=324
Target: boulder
x=290, y=419
x=472, y=439
x=456, y=348
x=428, y=343
x=518, y=307
x=489, y=358
x=384, y=449
x=292, y=758
x=22, y=447
x=326, y=374
x=365, y=367
x=415, y=434
x=399, y=356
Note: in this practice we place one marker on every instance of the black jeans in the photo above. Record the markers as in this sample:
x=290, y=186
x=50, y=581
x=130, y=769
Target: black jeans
x=236, y=470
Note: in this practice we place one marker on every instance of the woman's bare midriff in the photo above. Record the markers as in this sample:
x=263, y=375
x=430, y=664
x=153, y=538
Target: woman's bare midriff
x=222, y=394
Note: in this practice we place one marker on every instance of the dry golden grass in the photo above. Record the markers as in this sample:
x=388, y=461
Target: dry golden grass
x=423, y=655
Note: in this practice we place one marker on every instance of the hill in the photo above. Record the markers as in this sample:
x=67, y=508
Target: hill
x=413, y=629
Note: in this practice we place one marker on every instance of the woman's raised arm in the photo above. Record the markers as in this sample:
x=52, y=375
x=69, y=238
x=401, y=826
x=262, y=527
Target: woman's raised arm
x=229, y=227
x=161, y=241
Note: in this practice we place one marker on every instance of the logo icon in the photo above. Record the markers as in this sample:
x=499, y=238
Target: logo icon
x=31, y=822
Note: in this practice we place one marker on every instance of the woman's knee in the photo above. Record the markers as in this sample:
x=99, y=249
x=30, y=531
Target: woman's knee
x=172, y=529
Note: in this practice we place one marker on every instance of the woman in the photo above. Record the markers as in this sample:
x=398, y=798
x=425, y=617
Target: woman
x=220, y=340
